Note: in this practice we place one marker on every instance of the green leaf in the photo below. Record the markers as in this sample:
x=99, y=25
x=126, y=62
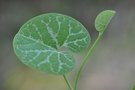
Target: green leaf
x=103, y=20
x=39, y=41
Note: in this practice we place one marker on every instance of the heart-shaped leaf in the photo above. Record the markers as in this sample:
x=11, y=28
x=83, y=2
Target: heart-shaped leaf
x=103, y=20
x=39, y=41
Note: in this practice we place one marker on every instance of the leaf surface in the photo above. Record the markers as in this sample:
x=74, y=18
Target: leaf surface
x=39, y=41
x=103, y=20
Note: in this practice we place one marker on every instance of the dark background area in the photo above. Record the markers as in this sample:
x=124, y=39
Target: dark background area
x=112, y=64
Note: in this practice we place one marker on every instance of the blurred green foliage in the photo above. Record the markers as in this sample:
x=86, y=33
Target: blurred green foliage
x=133, y=87
x=26, y=79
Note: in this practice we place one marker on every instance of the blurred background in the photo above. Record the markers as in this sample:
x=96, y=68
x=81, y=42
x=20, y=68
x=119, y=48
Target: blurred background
x=112, y=64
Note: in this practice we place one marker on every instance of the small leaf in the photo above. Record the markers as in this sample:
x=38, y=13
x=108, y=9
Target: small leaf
x=39, y=41
x=103, y=20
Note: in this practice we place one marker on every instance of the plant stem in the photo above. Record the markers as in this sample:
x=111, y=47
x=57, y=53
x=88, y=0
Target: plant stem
x=67, y=82
x=85, y=60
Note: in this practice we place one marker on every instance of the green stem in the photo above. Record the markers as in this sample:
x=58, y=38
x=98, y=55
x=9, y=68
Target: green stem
x=85, y=60
x=67, y=82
